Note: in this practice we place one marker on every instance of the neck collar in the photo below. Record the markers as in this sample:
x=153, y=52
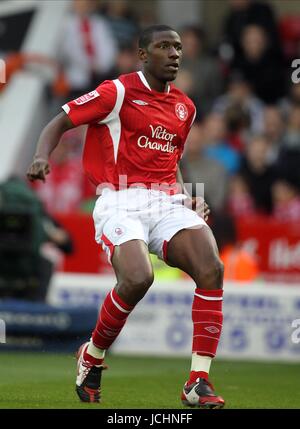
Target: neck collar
x=146, y=84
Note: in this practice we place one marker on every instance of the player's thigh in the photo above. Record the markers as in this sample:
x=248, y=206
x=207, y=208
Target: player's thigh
x=191, y=245
x=127, y=240
x=131, y=261
x=194, y=250
x=178, y=218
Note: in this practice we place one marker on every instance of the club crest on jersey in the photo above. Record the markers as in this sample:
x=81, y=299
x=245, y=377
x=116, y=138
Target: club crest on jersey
x=87, y=97
x=181, y=111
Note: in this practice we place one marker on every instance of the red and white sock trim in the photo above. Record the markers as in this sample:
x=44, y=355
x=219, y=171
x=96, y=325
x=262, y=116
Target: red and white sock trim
x=112, y=318
x=119, y=307
x=209, y=298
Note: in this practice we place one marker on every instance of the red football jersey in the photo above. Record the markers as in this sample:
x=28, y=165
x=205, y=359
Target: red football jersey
x=136, y=135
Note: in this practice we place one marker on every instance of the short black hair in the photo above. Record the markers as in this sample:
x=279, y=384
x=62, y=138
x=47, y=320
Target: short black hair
x=146, y=35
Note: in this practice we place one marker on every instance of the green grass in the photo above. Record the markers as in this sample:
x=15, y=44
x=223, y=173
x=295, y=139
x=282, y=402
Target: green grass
x=47, y=381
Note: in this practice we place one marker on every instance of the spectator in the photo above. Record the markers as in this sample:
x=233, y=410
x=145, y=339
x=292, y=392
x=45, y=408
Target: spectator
x=217, y=147
x=243, y=13
x=123, y=23
x=261, y=65
x=126, y=62
x=185, y=82
x=203, y=67
x=67, y=186
x=237, y=121
x=274, y=131
x=286, y=199
x=240, y=201
x=287, y=165
x=258, y=174
x=239, y=93
x=87, y=48
x=295, y=94
x=197, y=168
x=292, y=99
x=292, y=136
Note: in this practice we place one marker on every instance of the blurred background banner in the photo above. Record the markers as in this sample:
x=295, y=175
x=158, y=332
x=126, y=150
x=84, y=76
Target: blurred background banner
x=257, y=320
x=41, y=327
x=237, y=67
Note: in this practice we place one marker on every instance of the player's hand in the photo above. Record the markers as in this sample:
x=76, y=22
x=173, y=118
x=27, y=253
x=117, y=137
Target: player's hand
x=200, y=207
x=38, y=169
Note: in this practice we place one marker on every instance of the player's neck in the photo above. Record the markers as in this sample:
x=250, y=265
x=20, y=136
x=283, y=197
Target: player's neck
x=154, y=83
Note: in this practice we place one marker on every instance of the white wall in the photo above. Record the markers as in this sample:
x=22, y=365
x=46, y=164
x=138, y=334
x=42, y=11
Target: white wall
x=23, y=103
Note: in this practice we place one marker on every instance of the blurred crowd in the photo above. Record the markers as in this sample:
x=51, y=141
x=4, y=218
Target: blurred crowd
x=245, y=142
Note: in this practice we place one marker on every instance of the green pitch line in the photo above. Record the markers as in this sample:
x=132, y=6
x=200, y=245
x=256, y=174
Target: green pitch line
x=47, y=381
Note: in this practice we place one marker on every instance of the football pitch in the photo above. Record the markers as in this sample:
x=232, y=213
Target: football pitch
x=38, y=381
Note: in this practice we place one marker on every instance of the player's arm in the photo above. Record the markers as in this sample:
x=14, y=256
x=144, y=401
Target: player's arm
x=49, y=139
x=87, y=109
x=197, y=204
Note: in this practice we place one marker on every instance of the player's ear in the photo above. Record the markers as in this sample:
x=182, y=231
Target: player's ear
x=142, y=54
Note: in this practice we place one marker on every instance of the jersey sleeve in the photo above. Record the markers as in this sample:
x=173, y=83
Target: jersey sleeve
x=93, y=106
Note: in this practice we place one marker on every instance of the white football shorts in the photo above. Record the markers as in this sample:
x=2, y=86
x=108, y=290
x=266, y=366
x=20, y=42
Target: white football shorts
x=141, y=214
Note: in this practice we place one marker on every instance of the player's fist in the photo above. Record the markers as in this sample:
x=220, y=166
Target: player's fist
x=38, y=169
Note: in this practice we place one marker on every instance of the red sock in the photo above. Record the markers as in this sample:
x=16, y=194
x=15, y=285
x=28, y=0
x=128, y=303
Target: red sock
x=197, y=374
x=207, y=318
x=111, y=319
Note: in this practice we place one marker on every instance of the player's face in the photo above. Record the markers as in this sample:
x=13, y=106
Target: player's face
x=163, y=56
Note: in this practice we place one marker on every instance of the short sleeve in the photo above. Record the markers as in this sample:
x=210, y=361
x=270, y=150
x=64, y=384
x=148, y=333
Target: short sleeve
x=93, y=106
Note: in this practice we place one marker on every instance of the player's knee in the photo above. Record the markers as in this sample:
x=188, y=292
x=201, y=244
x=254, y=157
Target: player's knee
x=137, y=282
x=141, y=280
x=210, y=274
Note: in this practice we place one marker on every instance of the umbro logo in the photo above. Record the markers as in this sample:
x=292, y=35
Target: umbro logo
x=110, y=333
x=140, y=102
x=212, y=329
